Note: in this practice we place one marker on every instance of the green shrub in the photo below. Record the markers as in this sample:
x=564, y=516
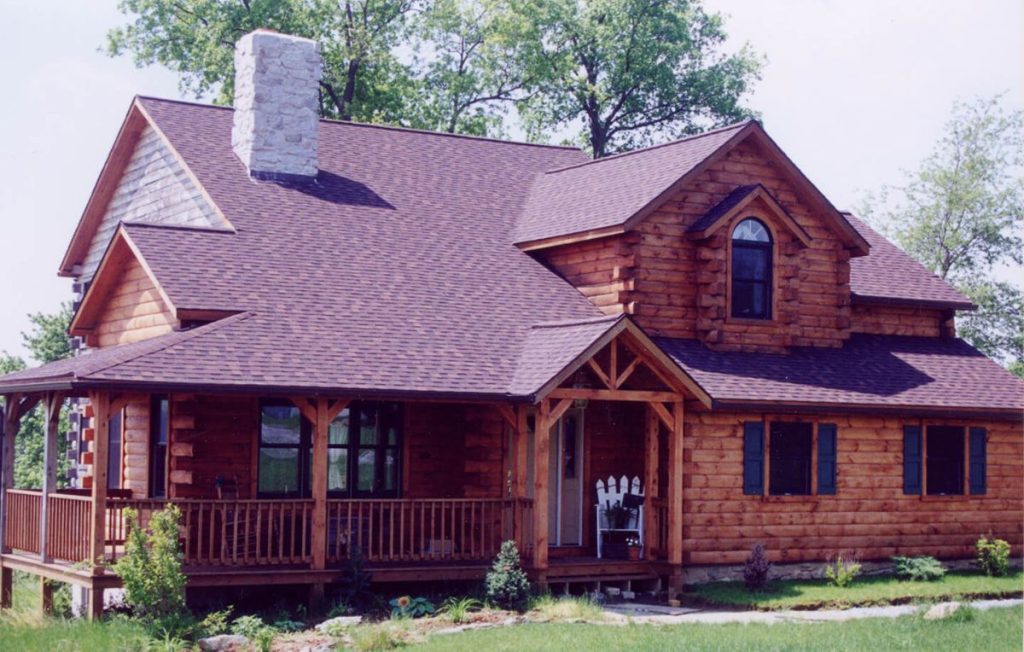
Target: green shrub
x=354, y=585
x=755, y=571
x=506, y=584
x=842, y=572
x=409, y=607
x=253, y=628
x=918, y=569
x=993, y=556
x=150, y=569
x=457, y=609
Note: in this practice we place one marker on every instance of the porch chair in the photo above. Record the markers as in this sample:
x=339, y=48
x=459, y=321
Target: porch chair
x=625, y=493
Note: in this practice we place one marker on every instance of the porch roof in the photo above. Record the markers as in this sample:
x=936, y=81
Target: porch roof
x=871, y=372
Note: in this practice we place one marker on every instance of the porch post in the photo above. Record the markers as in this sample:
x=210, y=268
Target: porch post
x=520, y=462
x=8, y=431
x=541, y=462
x=675, y=499
x=101, y=439
x=54, y=403
x=651, y=483
x=319, y=535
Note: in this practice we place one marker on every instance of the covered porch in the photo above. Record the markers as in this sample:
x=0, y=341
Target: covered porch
x=466, y=477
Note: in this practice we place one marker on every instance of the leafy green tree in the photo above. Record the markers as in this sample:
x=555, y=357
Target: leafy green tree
x=363, y=79
x=47, y=342
x=632, y=72
x=961, y=215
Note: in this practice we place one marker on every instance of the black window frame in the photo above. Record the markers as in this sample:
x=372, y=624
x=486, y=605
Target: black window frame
x=765, y=284
x=780, y=461
x=940, y=460
x=115, y=451
x=354, y=413
x=158, y=451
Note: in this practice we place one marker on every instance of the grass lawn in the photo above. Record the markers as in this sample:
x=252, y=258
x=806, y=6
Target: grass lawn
x=808, y=594
x=992, y=631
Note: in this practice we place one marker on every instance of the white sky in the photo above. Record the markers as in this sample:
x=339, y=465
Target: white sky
x=854, y=90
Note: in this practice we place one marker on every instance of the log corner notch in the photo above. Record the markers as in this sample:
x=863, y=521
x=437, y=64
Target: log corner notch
x=320, y=413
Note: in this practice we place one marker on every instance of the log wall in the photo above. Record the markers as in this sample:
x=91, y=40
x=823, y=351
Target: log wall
x=133, y=311
x=212, y=437
x=869, y=517
x=898, y=320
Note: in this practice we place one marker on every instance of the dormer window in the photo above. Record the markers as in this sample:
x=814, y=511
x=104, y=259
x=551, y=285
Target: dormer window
x=751, y=270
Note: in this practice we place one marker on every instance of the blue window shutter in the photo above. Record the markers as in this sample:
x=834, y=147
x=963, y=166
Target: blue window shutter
x=753, y=458
x=978, y=461
x=827, y=459
x=912, y=460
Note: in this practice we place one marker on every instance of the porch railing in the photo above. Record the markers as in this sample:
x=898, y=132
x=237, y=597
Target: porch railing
x=467, y=529
x=24, y=515
x=279, y=532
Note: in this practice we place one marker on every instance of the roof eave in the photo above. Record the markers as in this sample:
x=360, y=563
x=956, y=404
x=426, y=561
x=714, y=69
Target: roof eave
x=808, y=407
x=938, y=304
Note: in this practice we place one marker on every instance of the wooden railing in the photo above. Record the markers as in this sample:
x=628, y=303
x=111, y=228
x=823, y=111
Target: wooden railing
x=428, y=529
x=246, y=532
x=24, y=513
x=117, y=525
x=67, y=534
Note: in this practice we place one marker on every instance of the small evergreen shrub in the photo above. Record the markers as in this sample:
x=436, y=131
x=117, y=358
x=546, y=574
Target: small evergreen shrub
x=993, y=556
x=354, y=586
x=506, y=583
x=842, y=572
x=755, y=571
x=918, y=569
x=150, y=569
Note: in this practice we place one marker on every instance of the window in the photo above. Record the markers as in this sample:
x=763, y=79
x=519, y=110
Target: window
x=751, y=270
x=789, y=463
x=159, y=427
x=944, y=465
x=114, y=452
x=363, y=451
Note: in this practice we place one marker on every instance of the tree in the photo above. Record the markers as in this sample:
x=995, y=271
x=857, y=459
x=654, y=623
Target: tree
x=362, y=77
x=47, y=342
x=632, y=71
x=961, y=215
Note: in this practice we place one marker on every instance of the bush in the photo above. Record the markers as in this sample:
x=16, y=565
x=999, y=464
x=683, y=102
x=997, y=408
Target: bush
x=506, y=584
x=354, y=586
x=457, y=609
x=150, y=569
x=918, y=569
x=755, y=571
x=993, y=556
x=253, y=628
x=409, y=607
x=842, y=572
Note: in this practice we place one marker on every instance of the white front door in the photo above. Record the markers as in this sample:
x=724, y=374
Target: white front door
x=565, y=479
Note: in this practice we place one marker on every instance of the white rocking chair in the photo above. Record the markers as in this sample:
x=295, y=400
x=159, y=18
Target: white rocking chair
x=614, y=493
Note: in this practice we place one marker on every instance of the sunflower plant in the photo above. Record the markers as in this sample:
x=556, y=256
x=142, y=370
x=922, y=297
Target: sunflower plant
x=409, y=607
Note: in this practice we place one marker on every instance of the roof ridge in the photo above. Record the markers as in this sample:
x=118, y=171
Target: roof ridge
x=685, y=139
x=352, y=123
x=178, y=227
x=577, y=322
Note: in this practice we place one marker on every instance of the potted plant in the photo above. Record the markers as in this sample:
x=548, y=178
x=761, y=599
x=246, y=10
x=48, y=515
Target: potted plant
x=618, y=516
x=633, y=548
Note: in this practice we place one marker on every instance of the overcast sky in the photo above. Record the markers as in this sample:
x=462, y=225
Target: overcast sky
x=854, y=90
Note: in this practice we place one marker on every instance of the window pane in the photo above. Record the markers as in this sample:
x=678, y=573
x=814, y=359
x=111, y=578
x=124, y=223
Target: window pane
x=368, y=425
x=114, y=452
x=159, y=422
x=945, y=462
x=338, y=434
x=367, y=471
x=790, y=462
x=750, y=264
x=279, y=470
x=751, y=231
x=749, y=300
x=280, y=425
x=391, y=421
x=337, y=469
x=390, y=470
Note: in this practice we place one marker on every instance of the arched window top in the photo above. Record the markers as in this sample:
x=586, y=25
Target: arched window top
x=751, y=230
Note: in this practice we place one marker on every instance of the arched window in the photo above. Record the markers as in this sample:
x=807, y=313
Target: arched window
x=751, y=270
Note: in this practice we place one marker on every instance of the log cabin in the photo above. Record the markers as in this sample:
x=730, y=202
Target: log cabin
x=318, y=337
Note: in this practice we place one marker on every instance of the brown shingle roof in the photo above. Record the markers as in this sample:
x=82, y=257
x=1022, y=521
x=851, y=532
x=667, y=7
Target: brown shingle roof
x=876, y=371
x=890, y=275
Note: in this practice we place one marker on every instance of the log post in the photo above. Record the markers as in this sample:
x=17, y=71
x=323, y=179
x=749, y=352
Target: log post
x=6, y=587
x=520, y=463
x=675, y=499
x=319, y=487
x=651, y=483
x=8, y=432
x=45, y=596
x=54, y=403
x=101, y=437
x=541, y=463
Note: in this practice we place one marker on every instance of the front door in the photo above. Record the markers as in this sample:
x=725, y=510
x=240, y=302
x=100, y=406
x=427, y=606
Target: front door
x=565, y=508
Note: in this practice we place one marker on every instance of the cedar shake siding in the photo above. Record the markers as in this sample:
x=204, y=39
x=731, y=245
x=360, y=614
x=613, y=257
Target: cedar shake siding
x=154, y=188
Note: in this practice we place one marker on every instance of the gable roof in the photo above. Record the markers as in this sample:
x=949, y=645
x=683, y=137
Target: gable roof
x=890, y=275
x=734, y=202
x=610, y=195
x=928, y=375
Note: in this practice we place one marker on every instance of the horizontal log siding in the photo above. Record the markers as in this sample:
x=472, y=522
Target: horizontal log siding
x=869, y=517
x=135, y=448
x=133, y=311
x=896, y=320
x=435, y=441
x=211, y=437
x=677, y=287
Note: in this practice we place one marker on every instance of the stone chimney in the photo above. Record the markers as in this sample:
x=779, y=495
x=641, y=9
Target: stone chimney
x=277, y=79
